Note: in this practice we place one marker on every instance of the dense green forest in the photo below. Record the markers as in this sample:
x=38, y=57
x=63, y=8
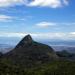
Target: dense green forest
x=52, y=68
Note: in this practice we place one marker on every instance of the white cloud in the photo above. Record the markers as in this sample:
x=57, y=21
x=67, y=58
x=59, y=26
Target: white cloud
x=56, y=25
x=45, y=24
x=48, y=3
x=11, y=34
x=48, y=36
x=6, y=3
x=7, y=18
x=54, y=36
x=4, y=18
x=42, y=36
x=41, y=3
x=72, y=34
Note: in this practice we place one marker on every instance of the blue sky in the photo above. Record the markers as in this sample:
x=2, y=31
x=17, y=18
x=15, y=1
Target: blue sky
x=46, y=19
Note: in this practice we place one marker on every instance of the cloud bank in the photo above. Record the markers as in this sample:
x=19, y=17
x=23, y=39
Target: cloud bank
x=49, y=3
x=42, y=36
x=33, y=3
x=7, y=3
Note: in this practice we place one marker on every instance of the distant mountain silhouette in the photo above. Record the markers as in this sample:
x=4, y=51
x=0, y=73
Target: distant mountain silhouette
x=28, y=52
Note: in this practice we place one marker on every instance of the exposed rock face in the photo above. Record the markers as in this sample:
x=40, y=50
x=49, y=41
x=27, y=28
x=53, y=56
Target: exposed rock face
x=29, y=52
x=26, y=41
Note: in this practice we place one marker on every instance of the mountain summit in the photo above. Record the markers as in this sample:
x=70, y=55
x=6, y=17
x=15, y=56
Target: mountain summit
x=26, y=41
x=29, y=52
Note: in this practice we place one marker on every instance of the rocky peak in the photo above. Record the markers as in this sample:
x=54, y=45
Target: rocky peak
x=27, y=38
x=26, y=41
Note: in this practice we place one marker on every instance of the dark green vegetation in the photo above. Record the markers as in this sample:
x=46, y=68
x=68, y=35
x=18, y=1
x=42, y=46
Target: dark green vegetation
x=33, y=58
x=64, y=53
x=52, y=68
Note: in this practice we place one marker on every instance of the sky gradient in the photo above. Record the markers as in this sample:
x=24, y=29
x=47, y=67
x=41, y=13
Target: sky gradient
x=46, y=19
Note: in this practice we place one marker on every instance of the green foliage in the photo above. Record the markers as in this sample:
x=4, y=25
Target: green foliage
x=52, y=68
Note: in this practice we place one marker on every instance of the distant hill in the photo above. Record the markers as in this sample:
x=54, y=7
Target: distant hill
x=29, y=52
x=70, y=49
x=66, y=55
